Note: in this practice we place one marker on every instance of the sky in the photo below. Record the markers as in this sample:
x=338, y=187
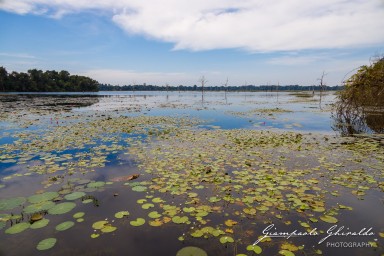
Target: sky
x=176, y=42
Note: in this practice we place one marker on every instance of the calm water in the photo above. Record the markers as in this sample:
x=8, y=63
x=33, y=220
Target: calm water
x=38, y=155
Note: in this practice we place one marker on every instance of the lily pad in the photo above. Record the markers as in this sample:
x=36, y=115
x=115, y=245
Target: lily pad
x=10, y=203
x=191, y=251
x=108, y=229
x=47, y=196
x=96, y=184
x=17, y=228
x=139, y=188
x=328, y=219
x=40, y=224
x=46, y=244
x=99, y=224
x=78, y=215
x=226, y=239
x=154, y=215
x=74, y=195
x=286, y=253
x=65, y=225
x=121, y=214
x=255, y=248
x=137, y=222
x=42, y=206
x=62, y=208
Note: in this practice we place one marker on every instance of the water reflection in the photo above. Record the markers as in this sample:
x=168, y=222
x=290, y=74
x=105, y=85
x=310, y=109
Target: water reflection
x=351, y=119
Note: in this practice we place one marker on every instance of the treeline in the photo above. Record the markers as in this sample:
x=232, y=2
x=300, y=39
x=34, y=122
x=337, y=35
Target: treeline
x=49, y=81
x=108, y=87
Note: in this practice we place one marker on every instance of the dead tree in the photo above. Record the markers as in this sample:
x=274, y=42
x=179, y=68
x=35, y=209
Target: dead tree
x=202, y=81
x=322, y=86
x=225, y=88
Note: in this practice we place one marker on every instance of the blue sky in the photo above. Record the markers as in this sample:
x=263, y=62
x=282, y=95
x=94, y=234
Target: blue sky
x=178, y=41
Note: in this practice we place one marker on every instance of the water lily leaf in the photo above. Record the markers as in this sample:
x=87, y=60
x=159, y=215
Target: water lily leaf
x=191, y=251
x=137, y=222
x=39, y=224
x=10, y=203
x=17, y=228
x=230, y=223
x=78, y=215
x=189, y=209
x=108, y=229
x=155, y=223
x=147, y=206
x=289, y=247
x=96, y=184
x=87, y=201
x=62, y=208
x=95, y=235
x=65, y=225
x=255, y=248
x=197, y=233
x=46, y=244
x=139, y=188
x=99, y=224
x=226, y=239
x=286, y=253
x=74, y=196
x=126, y=178
x=157, y=200
x=179, y=220
x=328, y=219
x=121, y=214
x=154, y=215
x=47, y=196
x=42, y=206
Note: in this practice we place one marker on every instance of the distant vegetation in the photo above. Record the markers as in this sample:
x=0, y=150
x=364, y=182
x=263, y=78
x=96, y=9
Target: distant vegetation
x=49, y=81
x=108, y=87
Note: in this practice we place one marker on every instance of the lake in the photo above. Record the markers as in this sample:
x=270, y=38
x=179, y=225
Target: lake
x=181, y=173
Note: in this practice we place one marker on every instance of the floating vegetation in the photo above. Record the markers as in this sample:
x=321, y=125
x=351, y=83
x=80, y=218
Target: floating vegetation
x=202, y=183
x=191, y=251
x=17, y=228
x=46, y=244
x=62, y=208
x=64, y=226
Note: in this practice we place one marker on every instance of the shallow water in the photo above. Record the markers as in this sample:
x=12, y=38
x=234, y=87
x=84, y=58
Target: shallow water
x=232, y=157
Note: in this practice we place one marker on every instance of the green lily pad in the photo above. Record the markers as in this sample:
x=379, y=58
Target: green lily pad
x=42, y=206
x=95, y=235
x=65, y=225
x=17, y=228
x=191, y=251
x=47, y=196
x=255, y=248
x=121, y=214
x=78, y=215
x=62, y=208
x=87, y=201
x=328, y=219
x=10, y=203
x=137, y=222
x=179, y=220
x=108, y=229
x=139, y=188
x=226, y=239
x=46, y=244
x=99, y=224
x=147, y=206
x=286, y=253
x=74, y=196
x=157, y=200
x=154, y=215
x=189, y=209
x=39, y=224
x=96, y=184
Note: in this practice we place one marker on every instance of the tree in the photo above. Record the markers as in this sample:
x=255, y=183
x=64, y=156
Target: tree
x=322, y=86
x=202, y=81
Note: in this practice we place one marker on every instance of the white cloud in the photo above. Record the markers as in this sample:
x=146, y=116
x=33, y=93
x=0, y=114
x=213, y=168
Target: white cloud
x=253, y=25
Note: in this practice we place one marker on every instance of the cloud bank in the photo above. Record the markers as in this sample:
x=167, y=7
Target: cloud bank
x=252, y=25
